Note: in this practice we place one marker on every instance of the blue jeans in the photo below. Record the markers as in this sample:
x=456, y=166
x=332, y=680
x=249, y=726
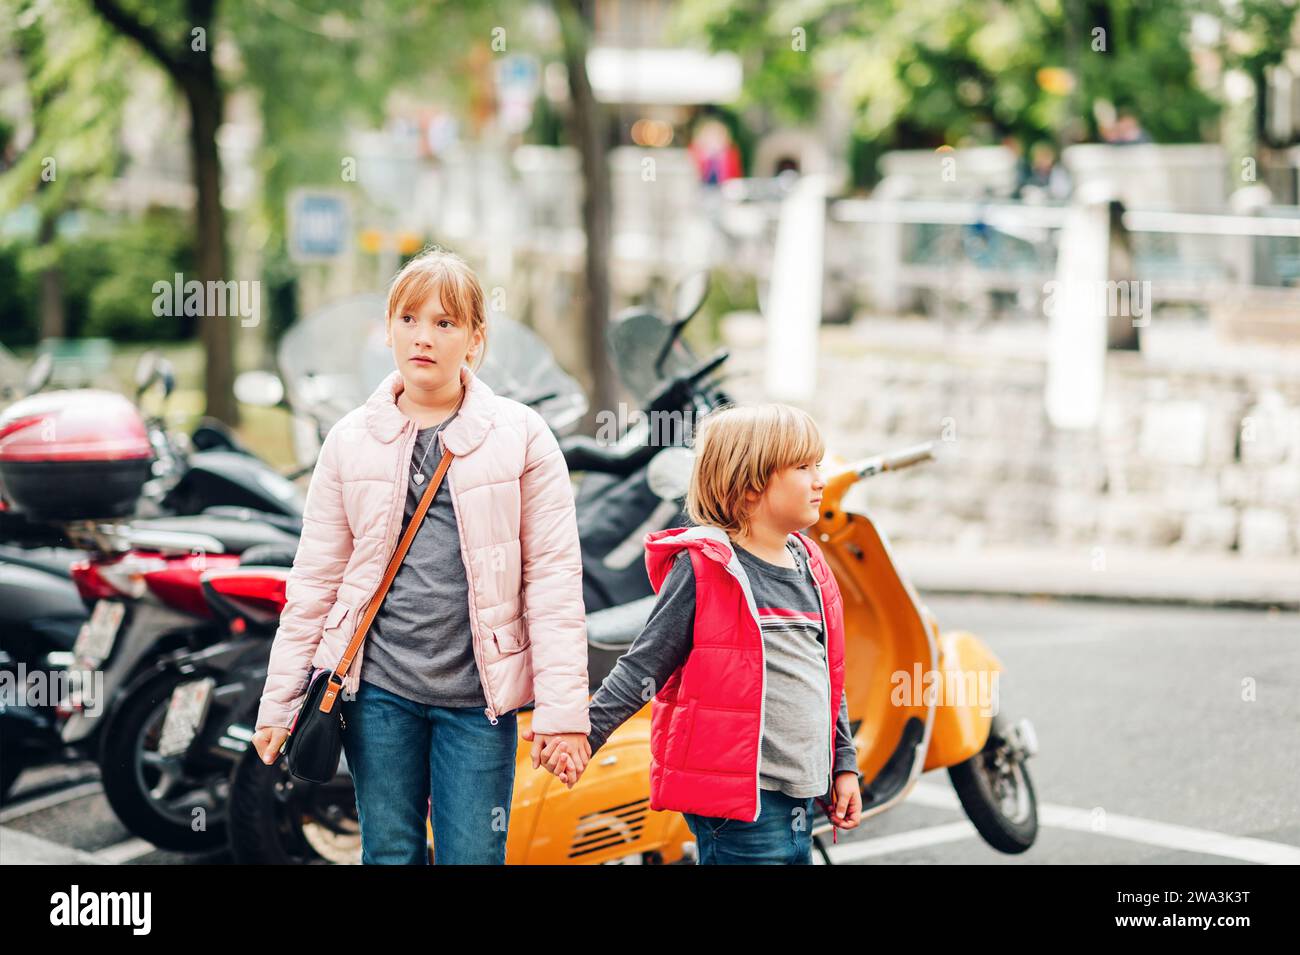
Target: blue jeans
x=411, y=761
x=781, y=835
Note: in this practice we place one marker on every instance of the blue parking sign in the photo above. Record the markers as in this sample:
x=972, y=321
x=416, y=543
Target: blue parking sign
x=319, y=223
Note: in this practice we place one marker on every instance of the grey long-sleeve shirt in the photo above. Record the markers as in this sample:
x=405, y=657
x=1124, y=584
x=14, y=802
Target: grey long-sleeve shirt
x=794, y=748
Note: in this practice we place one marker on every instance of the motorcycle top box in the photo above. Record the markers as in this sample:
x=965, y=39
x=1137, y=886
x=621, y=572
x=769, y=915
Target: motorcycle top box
x=73, y=455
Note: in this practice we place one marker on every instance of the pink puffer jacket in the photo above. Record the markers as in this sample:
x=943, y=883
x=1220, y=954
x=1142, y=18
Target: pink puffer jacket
x=518, y=538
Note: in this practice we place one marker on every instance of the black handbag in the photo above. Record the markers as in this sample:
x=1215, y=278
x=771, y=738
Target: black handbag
x=315, y=739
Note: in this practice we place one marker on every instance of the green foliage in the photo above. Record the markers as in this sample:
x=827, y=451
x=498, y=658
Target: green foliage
x=953, y=71
x=75, y=83
x=106, y=273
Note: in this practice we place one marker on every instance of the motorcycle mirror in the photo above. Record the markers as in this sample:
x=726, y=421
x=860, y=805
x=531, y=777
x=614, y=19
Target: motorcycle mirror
x=263, y=388
x=167, y=373
x=689, y=295
x=145, y=369
x=669, y=473
x=688, y=299
x=38, y=376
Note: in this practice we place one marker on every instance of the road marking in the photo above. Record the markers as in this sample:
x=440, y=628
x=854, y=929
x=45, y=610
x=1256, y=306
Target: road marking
x=1133, y=829
x=901, y=842
x=23, y=848
x=123, y=852
x=49, y=801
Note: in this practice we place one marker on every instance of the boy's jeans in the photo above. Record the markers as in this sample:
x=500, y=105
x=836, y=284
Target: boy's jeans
x=410, y=760
x=782, y=834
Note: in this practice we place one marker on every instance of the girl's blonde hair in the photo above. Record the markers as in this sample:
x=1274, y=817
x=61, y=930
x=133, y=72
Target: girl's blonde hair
x=737, y=449
x=458, y=288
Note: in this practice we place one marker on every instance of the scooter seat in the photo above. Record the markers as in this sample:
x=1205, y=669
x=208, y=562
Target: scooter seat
x=609, y=634
x=617, y=627
x=234, y=536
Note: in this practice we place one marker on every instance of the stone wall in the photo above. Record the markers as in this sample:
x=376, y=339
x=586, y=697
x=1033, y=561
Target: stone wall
x=1198, y=446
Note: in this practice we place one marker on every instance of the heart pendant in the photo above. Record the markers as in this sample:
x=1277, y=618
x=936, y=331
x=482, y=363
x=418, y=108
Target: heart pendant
x=419, y=479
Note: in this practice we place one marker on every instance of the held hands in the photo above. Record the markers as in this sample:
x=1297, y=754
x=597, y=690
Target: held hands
x=564, y=754
x=847, y=807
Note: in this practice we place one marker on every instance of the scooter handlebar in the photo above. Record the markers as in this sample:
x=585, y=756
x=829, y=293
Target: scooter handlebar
x=894, y=460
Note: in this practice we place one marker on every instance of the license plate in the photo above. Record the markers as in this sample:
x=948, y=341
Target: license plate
x=185, y=714
x=95, y=641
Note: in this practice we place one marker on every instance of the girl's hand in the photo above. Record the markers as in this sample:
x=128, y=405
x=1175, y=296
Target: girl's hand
x=550, y=748
x=566, y=755
x=268, y=740
x=848, y=801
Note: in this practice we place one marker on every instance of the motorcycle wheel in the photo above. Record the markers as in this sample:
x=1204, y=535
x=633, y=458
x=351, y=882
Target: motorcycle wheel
x=155, y=796
x=11, y=766
x=277, y=819
x=995, y=790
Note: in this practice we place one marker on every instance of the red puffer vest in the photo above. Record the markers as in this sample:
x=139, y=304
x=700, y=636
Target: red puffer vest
x=706, y=723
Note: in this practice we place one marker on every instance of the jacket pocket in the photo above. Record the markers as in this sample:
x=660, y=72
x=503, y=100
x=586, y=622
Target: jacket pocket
x=511, y=637
x=336, y=616
x=687, y=730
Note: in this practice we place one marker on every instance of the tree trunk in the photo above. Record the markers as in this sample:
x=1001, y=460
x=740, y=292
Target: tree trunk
x=194, y=74
x=588, y=127
x=203, y=95
x=51, y=292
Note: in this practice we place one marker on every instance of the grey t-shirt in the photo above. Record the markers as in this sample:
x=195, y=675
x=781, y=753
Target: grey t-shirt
x=795, y=750
x=420, y=645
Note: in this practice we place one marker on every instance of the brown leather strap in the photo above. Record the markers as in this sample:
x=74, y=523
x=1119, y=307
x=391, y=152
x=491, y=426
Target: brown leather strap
x=372, y=608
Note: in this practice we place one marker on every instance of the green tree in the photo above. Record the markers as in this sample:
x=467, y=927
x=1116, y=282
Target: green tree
x=74, y=84
x=944, y=71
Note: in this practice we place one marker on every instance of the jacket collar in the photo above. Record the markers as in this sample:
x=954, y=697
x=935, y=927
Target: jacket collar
x=477, y=413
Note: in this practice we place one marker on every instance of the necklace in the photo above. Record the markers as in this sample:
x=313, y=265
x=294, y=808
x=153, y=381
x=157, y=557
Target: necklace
x=418, y=475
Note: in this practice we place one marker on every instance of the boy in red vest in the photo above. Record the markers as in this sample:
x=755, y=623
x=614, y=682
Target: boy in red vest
x=743, y=651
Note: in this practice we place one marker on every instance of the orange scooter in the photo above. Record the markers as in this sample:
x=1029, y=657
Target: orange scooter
x=918, y=699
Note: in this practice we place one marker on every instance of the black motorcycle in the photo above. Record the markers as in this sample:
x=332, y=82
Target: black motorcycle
x=46, y=609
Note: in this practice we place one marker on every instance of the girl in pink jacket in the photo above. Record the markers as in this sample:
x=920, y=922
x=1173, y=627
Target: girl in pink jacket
x=485, y=613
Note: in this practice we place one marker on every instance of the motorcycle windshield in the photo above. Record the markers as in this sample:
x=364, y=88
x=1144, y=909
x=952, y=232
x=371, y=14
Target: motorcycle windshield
x=334, y=358
x=12, y=373
x=635, y=340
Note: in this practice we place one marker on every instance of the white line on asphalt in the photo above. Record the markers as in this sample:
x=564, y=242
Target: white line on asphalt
x=901, y=842
x=23, y=848
x=123, y=852
x=49, y=801
x=1133, y=829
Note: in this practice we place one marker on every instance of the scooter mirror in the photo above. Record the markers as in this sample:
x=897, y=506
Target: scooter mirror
x=262, y=388
x=669, y=473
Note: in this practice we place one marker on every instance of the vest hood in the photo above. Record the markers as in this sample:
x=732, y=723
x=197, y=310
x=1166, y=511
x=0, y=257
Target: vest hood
x=662, y=546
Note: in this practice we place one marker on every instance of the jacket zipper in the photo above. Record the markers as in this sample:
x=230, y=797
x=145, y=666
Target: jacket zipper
x=762, y=698
x=490, y=712
x=394, y=512
x=826, y=631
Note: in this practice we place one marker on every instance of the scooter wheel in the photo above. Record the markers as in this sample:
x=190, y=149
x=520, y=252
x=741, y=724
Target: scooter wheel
x=998, y=796
x=153, y=796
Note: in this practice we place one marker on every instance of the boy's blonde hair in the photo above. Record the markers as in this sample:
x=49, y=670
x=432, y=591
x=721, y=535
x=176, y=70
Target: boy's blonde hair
x=458, y=288
x=737, y=449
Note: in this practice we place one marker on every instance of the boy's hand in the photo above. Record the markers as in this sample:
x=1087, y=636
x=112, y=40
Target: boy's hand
x=848, y=801
x=565, y=754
